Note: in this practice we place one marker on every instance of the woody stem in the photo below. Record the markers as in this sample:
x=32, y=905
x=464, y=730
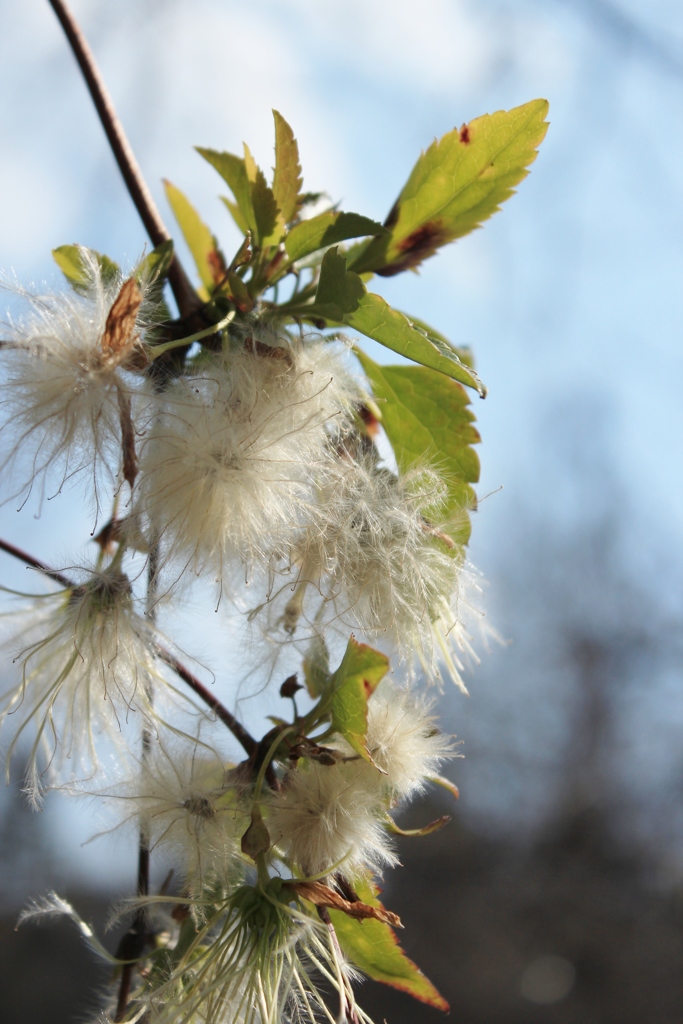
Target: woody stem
x=187, y=299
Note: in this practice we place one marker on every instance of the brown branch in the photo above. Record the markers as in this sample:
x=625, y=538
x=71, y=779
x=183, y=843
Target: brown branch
x=34, y=563
x=185, y=295
x=249, y=744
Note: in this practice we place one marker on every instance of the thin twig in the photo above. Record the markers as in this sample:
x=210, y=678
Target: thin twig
x=249, y=744
x=34, y=563
x=246, y=740
x=185, y=295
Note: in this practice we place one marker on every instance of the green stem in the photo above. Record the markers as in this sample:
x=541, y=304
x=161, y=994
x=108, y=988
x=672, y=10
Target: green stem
x=153, y=352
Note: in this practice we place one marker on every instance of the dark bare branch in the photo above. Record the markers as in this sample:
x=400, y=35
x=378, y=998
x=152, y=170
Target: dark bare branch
x=185, y=295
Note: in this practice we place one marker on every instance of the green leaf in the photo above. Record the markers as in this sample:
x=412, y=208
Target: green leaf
x=233, y=170
x=317, y=667
x=424, y=414
x=373, y=947
x=201, y=243
x=72, y=261
x=342, y=298
x=269, y=225
x=154, y=267
x=327, y=229
x=239, y=293
x=354, y=682
x=339, y=291
x=375, y=318
x=463, y=352
x=287, y=180
x=237, y=215
x=455, y=185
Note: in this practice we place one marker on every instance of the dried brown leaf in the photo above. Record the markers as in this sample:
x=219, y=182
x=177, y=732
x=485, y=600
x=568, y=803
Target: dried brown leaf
x=119, y=337
x=130, y=461
x=322, y=896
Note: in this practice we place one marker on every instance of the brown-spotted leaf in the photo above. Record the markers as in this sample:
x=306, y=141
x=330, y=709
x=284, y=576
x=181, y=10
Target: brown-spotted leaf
x=361, y=670
x=458, y=183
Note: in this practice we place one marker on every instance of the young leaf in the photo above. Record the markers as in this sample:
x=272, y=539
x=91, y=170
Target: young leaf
x=426, y=414
x=269, y=224
x=236, y=215
x=232, y=170
x=354, y=682
x=287, y=180
x=201, y=243
x=327, y=229
x=154, y=267
x=373, y=947
x=455, y=185
x=317, y=667
x=339, y=291
x=72, y=262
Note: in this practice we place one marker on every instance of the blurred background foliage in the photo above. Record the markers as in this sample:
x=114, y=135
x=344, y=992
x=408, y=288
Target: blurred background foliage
x=556, y=895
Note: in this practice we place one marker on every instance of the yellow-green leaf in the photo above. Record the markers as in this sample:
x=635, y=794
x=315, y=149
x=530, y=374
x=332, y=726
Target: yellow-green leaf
x=316, y=667
x=232, y=170
x=328, y=229
x=426, y=415
x=154, y=267
x=373, y=947
x=455, y=185
x=200, y=241
x=236, y=215
x=71, y=260
x=352, y=685
x=287, y=180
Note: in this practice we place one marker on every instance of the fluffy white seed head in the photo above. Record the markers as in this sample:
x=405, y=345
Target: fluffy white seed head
x=190, y=806
x=227, y=471
x=330, y=815
x=87, y=669
x=404, y=741
x=67, y=389
x=373, y=556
